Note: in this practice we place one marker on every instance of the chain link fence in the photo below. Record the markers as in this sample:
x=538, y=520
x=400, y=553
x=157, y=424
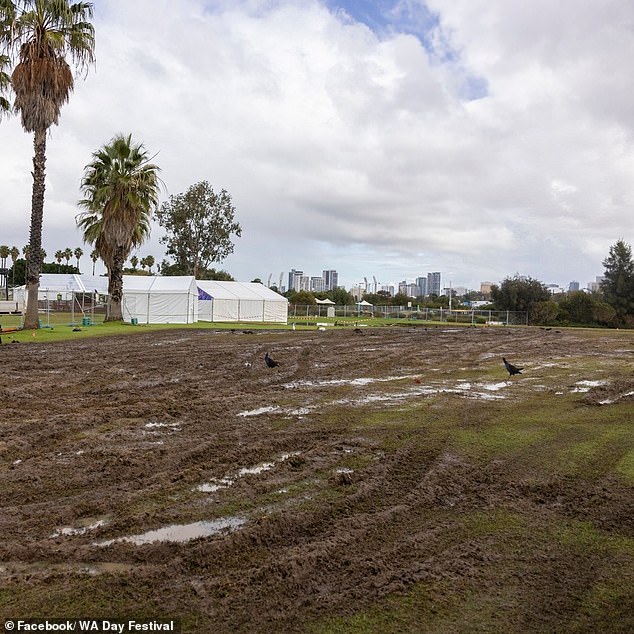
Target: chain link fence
x=360, y=311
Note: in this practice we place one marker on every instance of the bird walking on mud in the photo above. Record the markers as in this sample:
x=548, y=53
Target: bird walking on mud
x=512, y=369
x=270, y=363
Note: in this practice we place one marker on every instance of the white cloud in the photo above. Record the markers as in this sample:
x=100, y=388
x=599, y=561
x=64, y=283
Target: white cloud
x=349, y=149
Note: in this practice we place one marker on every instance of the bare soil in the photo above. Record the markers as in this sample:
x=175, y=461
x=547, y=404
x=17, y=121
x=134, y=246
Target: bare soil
x=326, y=488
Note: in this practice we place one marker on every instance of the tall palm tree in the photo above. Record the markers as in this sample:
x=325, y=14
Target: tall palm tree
x=78, y=252
x=15, y=254
x=121, y=189
x=94, y=256
x=39, y=35
x=134, y=261
x=68, y=254
x=5, y=252
x=59, y=256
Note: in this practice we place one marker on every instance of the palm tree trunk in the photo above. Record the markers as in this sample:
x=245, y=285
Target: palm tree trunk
x=34, y=260
x=115, y=286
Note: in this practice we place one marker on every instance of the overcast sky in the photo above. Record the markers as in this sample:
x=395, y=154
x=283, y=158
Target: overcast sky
x=386, y=138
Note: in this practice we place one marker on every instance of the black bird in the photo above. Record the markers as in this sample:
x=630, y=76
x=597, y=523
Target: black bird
x=269, y=362
x=512, y=369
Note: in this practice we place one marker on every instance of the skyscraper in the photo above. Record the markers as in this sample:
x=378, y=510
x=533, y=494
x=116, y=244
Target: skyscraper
x=433, y=283
x=331, y=279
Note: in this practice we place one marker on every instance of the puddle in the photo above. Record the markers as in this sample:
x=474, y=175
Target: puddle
x=259, y=411
x=356, y=382
x=69, y=531
x=173, y=426
x=585, y=386
x=265, y=466
x=179, y=533
x=216, y=484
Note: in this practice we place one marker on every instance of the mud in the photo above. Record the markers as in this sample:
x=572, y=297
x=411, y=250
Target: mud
x=174, y=470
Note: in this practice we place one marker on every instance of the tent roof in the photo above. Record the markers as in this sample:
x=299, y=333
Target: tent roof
x=364, y=303
x=324, y=301
x=159, y=284
x=73, y=282
x=218, y=289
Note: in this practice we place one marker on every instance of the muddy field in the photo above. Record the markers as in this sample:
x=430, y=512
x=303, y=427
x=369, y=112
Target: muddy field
x=388, y=480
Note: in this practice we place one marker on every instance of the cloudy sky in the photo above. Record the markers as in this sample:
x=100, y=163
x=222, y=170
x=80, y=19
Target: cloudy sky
x=385, y=138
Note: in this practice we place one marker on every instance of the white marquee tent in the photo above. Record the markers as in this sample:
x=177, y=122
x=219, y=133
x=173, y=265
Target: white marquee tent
x=240, y=301
x=147, y=299
x=160, y=300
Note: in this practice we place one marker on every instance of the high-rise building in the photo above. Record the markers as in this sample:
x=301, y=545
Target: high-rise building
x=573, y=286
x=295, y=280
x=331, y=279
x=433, y=283
x=421, y=282
x=317, y=284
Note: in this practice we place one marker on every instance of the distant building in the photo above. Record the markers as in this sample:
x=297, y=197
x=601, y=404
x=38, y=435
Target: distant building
x=331, y=279
x=389, y=289
x=595, y=287
x=421, y=282
x=433, y=283
x=317, y=284
x=573, y=286
x=295, y=280
x=485, y=287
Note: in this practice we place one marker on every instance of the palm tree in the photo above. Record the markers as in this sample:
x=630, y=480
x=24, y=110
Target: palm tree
x=149, y=262
x=5, y=84
x=5, y=252
x=120, y=188
x=59, y=256
x=78, y=252
x=39, y=35
x=15, y=252
x=94, y=256
x=68, y=254
x=134, y=261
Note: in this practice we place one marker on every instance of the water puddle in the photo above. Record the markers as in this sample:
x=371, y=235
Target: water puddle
x=361, y=381
x=585, y=386
x=70, y=531
x=180, y=533
x=216, y=484
x=259, y=411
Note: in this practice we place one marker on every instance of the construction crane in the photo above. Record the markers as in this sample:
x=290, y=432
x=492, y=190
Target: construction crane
x=268, y=282
x=376, y=285
x=279, y=287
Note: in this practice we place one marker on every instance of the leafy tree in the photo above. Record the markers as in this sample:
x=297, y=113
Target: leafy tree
x=120, y=188
x=340, y=296
x=40, y=35
x=198, y=225
x=167, y=268
x=519, y=294
x=618, y=283
x=301, y=298
x=578, y=308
